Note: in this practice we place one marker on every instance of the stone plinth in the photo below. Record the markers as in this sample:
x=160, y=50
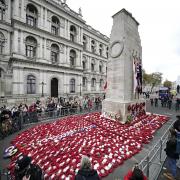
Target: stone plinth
x=122, y=111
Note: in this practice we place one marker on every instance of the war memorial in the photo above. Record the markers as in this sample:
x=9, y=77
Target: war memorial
x=111, y=138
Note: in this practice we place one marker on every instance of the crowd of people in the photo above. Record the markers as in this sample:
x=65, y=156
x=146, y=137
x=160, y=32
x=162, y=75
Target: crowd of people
x=12, y=117
x=25, y=170
x=169, y=101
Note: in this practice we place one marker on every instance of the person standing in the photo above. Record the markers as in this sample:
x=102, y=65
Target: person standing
x=152, y=101
x=86, y=172
x=156, y=102
x=178, y=88
x=172, y=157
x=135, y=174
x=169, y=103
x=176, y=127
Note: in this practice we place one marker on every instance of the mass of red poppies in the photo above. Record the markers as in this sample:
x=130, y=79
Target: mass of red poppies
x=57, y=147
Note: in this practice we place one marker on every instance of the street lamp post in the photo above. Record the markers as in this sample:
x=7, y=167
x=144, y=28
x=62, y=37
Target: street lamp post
x=80, y=88
x=42, y=94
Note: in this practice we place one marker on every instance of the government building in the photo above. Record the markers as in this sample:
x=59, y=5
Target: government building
x=48, y=50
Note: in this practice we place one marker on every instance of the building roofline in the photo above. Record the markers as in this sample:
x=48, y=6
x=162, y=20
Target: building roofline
x=96, y=32
x=65, y=8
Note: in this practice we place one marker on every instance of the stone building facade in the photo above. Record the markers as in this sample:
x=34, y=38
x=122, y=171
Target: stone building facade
x=47, y=49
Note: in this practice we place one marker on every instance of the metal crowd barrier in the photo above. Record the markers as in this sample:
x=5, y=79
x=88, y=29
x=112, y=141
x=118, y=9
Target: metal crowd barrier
x=26, y=118
x=153, y=162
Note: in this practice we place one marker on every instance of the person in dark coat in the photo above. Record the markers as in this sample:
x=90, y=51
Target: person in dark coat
x=86, y=172
x=172, y=156
x=176, y=124
x=25, y=170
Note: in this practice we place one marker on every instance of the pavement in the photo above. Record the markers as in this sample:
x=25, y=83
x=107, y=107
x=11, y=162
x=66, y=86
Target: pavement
x=119, y=172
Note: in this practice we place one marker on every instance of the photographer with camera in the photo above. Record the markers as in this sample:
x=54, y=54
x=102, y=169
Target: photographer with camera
x=135, y=174
x=24, y=170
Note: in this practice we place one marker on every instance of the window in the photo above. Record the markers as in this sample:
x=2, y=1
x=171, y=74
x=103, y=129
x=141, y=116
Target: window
x=107, y=50
x=84, y=42
x=84, y=65
x=93, y=82
x=100, y=68
x=72, y=58
x=2, y=42
x=72, y=86
x=54, y=53
x=2, y=10
x=31, y=84
x=31, y=45
x=73, y=33
x=55, y=25
x=84, y=81
x=92, y=67
x=31, y=15
x=101, y=83
x=93, y=46
x=1, y=73
x=100, y=49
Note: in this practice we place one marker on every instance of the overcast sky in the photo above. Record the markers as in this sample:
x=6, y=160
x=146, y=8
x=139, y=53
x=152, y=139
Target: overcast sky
x=159, y=29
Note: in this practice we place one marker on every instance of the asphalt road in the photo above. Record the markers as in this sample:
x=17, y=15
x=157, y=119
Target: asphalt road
x=122, y=170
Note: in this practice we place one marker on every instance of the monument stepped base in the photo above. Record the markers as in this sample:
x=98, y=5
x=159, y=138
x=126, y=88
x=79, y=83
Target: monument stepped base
x=122, y=111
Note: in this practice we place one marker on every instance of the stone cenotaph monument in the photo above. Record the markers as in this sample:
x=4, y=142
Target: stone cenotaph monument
x=124, y=70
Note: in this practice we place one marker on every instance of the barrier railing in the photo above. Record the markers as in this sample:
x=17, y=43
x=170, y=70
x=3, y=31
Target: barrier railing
x=153, y=162
x=15, y=124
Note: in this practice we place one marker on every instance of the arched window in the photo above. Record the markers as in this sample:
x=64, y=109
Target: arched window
x=31, y=84
x=72, y=58
x=72, y=86
x=54, y=53
x=84, y=42
x=84, y=81
x=55, y=25
x=84, y=65
x=93, y=46
x=92, y=67
x=31, y=15
x=101, y=83
x=31, y=46
x=2, y=42
x=73, y=33
x=100, y=68
x=2, y=9
x=100, y=49
x=93, y=82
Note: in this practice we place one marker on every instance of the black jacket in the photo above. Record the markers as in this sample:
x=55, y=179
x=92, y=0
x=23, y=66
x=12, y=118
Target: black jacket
x=171, y=148
x=87, y=174
x=176, y=125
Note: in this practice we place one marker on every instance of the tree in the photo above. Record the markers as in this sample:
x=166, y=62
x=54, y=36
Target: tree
x=152, y=79
x=167, y=84
x=156, y=79
x=146, y=78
